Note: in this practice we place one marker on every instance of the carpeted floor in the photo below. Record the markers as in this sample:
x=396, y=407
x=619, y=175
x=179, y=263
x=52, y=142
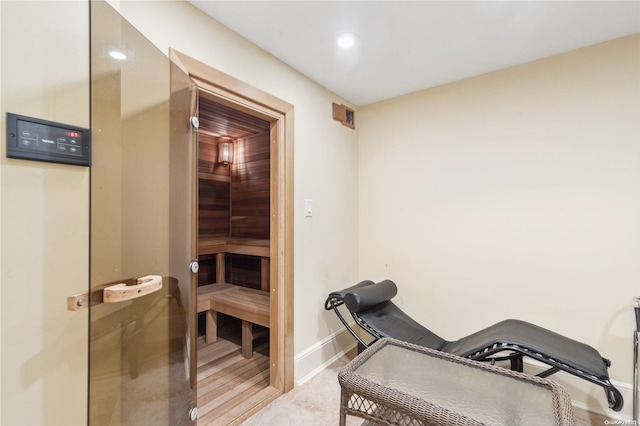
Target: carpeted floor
x=317, y=402
x=314, y=403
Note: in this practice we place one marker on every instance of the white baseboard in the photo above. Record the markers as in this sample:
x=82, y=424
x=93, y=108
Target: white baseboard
x=583, y=394
x=316, y=358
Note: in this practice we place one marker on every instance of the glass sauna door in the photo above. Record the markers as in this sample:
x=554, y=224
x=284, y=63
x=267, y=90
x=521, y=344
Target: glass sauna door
x=142, y=335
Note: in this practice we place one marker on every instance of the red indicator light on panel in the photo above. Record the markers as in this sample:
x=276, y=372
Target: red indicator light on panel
x=73, y=134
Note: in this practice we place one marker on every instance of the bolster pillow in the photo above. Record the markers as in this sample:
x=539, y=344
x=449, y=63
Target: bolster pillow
x=365, y=298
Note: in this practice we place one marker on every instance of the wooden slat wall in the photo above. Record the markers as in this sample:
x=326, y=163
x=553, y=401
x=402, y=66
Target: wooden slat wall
x=207, y=270
x=245, y=270
x=234, y=200
x=214, y=191
x=250, y=188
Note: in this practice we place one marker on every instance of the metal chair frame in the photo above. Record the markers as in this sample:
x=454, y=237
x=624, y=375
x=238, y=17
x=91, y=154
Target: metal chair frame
x=492, y=354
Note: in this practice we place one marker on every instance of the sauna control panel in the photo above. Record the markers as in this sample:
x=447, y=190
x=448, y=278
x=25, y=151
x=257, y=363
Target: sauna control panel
x=34, y=139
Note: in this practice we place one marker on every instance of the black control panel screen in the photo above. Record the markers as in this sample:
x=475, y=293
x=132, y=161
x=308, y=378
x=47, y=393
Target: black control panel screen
x=34, y=139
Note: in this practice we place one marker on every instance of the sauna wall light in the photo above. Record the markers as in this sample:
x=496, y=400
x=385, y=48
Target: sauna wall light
x=225, y=151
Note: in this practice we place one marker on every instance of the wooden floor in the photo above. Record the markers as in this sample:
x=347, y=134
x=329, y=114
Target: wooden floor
x=228, y=384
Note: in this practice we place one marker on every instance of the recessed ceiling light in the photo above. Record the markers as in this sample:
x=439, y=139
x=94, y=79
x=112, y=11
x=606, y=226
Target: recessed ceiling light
x=115, y=54
x=347, y=40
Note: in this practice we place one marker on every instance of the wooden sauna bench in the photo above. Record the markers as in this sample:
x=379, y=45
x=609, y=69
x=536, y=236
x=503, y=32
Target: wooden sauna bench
x=248, y=304
x=247, y=246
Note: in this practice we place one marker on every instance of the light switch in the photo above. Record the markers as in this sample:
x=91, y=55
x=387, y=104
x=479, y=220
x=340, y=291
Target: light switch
x=308, y=207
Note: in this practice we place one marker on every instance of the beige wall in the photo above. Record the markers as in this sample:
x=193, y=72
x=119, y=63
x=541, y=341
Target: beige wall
x=44, y=219
x=515, y=194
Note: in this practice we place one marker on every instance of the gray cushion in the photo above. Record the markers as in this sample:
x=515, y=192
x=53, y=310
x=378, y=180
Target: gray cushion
x=365, y=298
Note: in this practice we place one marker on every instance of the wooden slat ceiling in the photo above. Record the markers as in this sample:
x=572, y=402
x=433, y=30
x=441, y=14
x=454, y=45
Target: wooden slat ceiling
x=219, y=120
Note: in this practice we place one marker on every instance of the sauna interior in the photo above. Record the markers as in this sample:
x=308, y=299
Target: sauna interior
x=233, y=254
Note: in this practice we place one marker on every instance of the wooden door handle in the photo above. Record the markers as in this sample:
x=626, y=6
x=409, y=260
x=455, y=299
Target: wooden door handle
x=121, y=292
x=115, y=292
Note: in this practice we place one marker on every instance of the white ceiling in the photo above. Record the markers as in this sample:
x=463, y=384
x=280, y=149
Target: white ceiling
x=408, y=46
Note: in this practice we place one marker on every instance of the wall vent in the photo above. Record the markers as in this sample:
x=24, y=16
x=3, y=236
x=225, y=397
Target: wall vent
x=344, y=115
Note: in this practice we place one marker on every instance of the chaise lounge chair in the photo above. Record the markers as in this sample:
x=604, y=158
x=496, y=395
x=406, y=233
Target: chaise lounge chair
x=370, y=305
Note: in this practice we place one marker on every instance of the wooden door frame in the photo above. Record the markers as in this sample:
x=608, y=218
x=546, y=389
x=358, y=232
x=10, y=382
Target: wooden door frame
x=239, y=95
